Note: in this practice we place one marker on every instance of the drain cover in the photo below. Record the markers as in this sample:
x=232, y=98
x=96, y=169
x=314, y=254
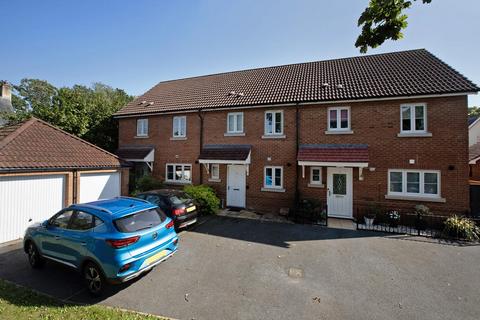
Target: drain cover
x=295, y=273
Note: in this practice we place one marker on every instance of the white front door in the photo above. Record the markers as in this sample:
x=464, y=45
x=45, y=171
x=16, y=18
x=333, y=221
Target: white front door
x=340, y=192
x=236, y=182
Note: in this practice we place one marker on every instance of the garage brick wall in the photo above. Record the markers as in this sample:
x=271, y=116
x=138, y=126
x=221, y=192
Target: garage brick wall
x=374, y=123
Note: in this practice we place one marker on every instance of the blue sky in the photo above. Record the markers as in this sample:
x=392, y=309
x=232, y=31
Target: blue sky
x=135, y=44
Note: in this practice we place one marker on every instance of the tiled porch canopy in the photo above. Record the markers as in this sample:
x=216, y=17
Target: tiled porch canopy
x=333, y=155
x=137, y=154
x=225, y=154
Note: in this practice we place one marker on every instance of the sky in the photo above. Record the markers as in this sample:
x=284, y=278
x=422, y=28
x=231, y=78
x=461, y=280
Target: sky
x=133, y=45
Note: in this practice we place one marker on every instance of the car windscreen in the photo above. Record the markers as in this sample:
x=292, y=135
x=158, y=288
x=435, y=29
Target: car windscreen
x=179, y=198
x=140, y=220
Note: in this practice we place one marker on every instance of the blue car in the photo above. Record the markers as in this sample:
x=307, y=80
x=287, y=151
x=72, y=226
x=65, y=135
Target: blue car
x=108, y=241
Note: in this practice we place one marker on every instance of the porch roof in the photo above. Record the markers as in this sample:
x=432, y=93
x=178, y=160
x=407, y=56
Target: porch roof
x=136, y=153
x=355, y=155
x=225, y=153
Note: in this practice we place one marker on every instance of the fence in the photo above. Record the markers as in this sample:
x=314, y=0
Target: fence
x=402, y=221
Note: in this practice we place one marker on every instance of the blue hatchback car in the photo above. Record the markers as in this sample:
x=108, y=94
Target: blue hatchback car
x=108, y=241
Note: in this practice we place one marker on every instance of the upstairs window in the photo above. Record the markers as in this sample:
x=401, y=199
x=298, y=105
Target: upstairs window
x=142, y=127
x=413, y=118
x=339, y=119
x=180, y=127
x=235, y=122
x=274, y=123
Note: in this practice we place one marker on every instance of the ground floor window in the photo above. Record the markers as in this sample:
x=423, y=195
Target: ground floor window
x=215, y=171
x=273, y=177
x=424, y=183
x=181, y=173
x=316, y=175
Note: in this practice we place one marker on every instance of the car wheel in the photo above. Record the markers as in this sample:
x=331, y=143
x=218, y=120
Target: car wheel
x=34, y=258
x=94, y=279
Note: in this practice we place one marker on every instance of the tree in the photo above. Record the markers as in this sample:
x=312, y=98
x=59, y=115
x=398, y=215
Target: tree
x=382, y=20
x=474, y=112
x=83, y=111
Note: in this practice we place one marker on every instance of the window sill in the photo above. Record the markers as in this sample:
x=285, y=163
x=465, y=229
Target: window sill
x=414, y=135
x=177, y=182
x=274, y=136
x=178, y=138
x=273, y=189
x=316, y=185
x=141, y=137
x=214, y=180
x=232, y=134
x=413, y=198
x=339, y=132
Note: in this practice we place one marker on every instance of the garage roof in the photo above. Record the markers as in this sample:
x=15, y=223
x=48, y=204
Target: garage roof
x=34, y=144
x=387, y=75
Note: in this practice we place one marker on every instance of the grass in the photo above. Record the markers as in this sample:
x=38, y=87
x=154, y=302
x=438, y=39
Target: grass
x=18, y=303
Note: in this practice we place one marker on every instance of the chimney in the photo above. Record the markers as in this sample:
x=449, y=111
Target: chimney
x=6, y=90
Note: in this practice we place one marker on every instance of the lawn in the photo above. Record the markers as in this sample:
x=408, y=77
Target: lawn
x=17, y=303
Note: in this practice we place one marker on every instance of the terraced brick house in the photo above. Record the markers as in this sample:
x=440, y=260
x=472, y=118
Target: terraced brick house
x=389, y=129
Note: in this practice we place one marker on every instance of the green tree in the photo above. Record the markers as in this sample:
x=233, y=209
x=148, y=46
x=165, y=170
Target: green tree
x=382, y=20
x=474, y=112
x=80, y=110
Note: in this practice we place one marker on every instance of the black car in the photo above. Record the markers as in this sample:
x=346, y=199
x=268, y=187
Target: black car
x=176, y=204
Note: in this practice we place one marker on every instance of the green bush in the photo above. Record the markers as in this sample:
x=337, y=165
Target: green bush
x=461, y=227
x=205, y=197
x=147, y=183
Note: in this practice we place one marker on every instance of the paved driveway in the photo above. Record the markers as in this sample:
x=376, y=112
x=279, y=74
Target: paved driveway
x=245, y=269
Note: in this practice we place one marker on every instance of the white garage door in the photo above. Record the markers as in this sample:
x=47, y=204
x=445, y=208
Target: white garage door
x=95, y=186
x=28, y=199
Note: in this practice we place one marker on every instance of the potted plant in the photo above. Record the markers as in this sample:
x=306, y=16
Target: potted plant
x=421, y=211
x=394, y=218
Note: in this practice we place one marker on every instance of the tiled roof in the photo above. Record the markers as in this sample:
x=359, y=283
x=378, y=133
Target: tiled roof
x=35, y=144
x=225, y=152
x=333, y=153
x=406, y=73
x=472, y=119
x=134, y=152
x=474, y=151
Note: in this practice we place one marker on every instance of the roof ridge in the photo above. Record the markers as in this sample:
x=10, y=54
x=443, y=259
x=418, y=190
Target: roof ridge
x=290, y=64
x=25, y=124
x=75, y=137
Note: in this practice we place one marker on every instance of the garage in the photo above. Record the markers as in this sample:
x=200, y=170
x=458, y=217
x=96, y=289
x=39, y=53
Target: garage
x=99, y=185
x=44, y=169
x=27, y=199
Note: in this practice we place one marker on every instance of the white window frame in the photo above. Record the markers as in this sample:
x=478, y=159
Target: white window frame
x=183, y=171
x=212, y=175
x=235, y=115
x=142, y=127
x=412, y=117
x=179, y=119
x=273, y=133
x=421, y=193
x=339, y=120
x=273, y=186
x=319, y=182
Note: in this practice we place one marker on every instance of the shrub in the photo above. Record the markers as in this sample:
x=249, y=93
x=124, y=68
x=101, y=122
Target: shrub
x=461, y=227
x=205, y=197
x=147, y=183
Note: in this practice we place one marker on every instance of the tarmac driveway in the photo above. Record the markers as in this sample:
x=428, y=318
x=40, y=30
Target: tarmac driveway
x=231, y=268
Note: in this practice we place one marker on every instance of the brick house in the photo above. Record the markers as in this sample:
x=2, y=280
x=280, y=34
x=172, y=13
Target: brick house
x=389, y=129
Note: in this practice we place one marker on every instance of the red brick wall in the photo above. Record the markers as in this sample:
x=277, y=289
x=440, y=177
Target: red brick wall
x=374, y=123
